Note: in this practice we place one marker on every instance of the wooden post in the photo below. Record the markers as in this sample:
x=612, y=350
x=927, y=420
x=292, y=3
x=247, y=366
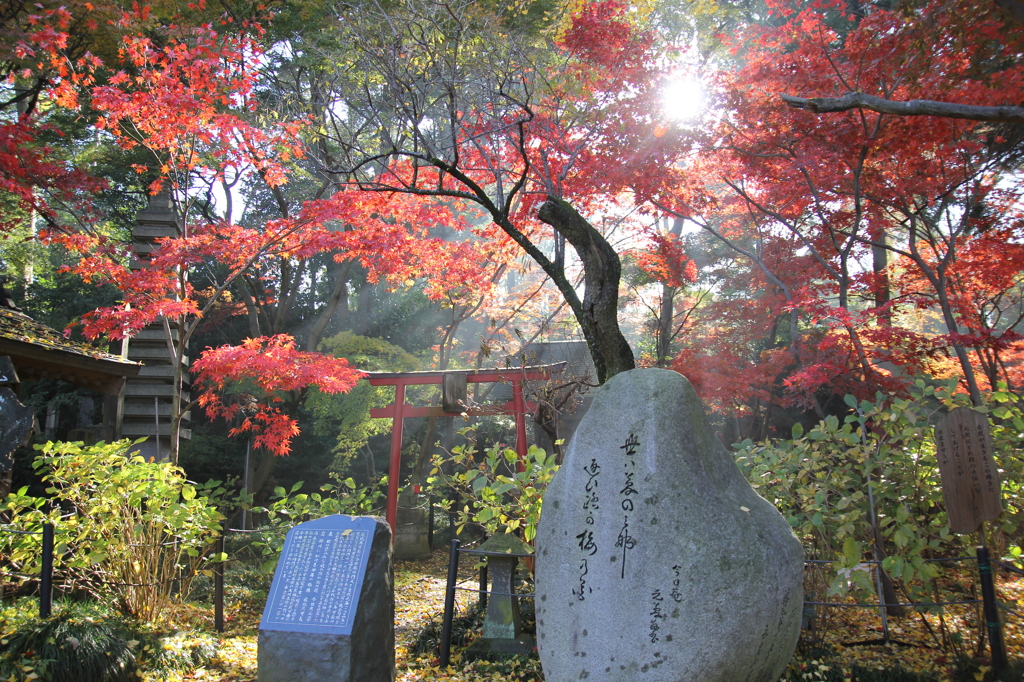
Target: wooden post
x=519, y=407
x=396, y=460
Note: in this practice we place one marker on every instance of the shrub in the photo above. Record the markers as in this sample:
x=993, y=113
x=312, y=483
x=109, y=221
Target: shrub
x=494, y=493
x=464, y=629
x=70, y=647
x=126, y=530
x=289, y=507
x=825, y=481
x=180, y=651
x=89, y=642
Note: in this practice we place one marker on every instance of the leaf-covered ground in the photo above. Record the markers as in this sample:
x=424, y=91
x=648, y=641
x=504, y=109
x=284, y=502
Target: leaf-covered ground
x=924, y=643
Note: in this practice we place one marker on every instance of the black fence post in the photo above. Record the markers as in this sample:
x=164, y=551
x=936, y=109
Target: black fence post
x=483, y=584
x=46, y=573
x=218, y=587
x=991, y=609
x=449, y=604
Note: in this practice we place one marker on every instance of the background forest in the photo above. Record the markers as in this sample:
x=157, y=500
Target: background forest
x=787, y=202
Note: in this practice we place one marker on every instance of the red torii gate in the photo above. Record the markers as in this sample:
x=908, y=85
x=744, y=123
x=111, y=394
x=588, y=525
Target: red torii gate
x=398, y=410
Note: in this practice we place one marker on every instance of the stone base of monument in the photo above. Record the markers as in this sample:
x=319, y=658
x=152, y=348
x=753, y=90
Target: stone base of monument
x=311, y=657
x=412, y=529
x=523, y=645
x=330, y=615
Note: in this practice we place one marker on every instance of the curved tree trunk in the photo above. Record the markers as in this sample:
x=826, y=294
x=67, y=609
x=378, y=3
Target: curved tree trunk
x=598, y=312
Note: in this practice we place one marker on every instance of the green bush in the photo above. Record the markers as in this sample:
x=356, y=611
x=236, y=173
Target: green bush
x=824, y=483
x=464, y=629
x=246, y=586
x=494, y=493
x=127, y=531
x=180, y=651
x=89, y=642
x=346, y=497
x=290, y=507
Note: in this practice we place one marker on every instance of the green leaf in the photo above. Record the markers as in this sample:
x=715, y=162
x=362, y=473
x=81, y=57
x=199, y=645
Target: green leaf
x=852, y=551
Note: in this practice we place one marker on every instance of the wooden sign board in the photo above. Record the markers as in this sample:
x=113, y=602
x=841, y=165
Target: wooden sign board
x=970, y=480
x=454, y=392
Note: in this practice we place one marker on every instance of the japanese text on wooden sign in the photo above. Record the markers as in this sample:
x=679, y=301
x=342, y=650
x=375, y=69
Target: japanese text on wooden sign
x=970, y=481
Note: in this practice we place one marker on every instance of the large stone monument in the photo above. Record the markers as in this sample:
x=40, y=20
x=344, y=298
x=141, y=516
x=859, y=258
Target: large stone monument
x=656, y=561
x=330, y=614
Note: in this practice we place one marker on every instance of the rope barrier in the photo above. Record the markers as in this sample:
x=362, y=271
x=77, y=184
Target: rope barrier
x=257, y=530
x=1009, y=610
x=496, y=594
x=91, y=583
x=1008, y=567
x=880, y=605
x=496, y=555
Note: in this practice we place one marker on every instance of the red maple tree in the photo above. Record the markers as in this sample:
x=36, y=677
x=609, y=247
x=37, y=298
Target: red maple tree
x=855, y=196
x=184, y=100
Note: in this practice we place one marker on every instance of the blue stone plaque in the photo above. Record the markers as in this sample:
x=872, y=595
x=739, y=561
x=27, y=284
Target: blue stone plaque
x=320, y=575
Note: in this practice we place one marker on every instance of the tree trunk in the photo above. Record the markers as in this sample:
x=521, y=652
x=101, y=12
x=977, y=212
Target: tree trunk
x=338, y=295
x=667, y=310
x=262, y=471
x=889, y=594
x=879, y=263
x=599, y=309
x=666, y=317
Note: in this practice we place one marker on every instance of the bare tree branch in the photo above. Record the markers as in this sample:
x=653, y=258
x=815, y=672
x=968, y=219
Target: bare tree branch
x=914, y=107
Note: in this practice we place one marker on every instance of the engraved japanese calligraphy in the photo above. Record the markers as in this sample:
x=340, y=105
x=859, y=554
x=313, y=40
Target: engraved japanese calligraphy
x=648, y=534
x=626, y=541
x=316, y=585
x=970, y=482
x=587, y=545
